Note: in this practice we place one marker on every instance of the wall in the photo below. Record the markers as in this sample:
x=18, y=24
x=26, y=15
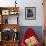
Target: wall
x=39, y=13
x=22, y=4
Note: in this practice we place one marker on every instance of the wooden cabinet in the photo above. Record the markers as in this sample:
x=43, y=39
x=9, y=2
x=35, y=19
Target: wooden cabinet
x=9, y=23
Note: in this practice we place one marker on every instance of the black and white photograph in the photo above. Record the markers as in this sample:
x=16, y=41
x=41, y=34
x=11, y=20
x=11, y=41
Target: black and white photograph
x=30, y=13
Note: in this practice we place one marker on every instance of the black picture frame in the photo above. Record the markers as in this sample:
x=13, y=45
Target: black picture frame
x=30, y=13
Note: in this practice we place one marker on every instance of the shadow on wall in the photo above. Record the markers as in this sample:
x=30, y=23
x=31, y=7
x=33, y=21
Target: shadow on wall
x=37, y=29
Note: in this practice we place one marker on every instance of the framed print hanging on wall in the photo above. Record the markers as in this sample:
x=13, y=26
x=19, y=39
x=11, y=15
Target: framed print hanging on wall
x=30, y=13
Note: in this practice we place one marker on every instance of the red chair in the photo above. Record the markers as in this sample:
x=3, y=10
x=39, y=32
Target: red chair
x=29, y=33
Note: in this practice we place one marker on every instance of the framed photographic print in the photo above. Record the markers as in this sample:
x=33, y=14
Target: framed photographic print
x=5, y=12
x=30, y=13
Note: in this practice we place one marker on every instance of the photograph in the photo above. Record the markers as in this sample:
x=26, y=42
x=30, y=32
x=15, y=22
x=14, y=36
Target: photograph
x=30, y=13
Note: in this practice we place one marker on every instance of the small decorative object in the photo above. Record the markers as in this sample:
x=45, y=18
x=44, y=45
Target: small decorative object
x=30, y=13
x=6, y=21
x=15, y=3
x=5, y=12
x=13, y=12
x=15, y=36
x=15, y=29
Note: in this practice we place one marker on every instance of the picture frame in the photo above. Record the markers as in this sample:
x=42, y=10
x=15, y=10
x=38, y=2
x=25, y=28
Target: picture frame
x=30, y=13
x=5, y=12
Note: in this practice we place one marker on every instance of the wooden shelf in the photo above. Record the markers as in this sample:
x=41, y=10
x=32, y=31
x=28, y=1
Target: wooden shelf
x=9, y=43
x=11, y=26
x=4, y=13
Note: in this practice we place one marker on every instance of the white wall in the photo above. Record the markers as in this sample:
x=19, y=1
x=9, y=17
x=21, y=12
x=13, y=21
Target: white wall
x=27, y=3
x=39, y=12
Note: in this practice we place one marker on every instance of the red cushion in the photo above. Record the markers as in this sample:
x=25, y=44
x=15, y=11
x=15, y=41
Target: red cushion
x=29, y=33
